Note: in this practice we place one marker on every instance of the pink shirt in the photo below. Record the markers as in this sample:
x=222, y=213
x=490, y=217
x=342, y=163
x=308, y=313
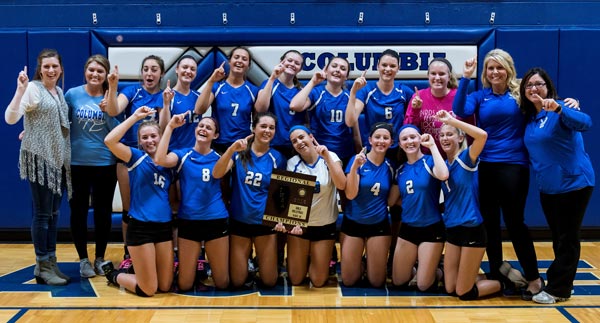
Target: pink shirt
x=424, y=118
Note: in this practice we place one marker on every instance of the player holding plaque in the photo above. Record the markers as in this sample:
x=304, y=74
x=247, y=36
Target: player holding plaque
x=366, y=225
x=251, y=161
x=318, y=240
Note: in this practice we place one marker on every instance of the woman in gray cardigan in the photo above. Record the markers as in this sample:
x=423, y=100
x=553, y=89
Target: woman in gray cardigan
x=45, y=156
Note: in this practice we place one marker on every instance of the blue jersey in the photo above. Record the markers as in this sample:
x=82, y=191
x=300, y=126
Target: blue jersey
x=138, y=97
x=380, y=107
x=184, y=136
x=149, y=188
x=281, y=96
x=461, y=193
x=370, y=204
x=500, y=117
x=420, y=193
x=89, y=126
x=251, y=185
x=232, y=107
x=201, y=197
x=557, y=152
x=327, y=121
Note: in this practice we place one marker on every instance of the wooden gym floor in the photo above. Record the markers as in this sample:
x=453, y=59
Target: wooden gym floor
x=91, y=300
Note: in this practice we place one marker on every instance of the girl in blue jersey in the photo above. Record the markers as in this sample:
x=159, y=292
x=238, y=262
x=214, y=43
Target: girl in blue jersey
x=275, y=95
x=564, y=175
x=202, y=215
x=465, y=232
x=503, y=170
x=93, y=166
x=384, y=100
x=180, y=99
x=251, y=161
x=232, y=99
x=317, y=241
x=365, y=226
x=326, y=105
x=149, y=233
x=126, y=103
x=417, y=187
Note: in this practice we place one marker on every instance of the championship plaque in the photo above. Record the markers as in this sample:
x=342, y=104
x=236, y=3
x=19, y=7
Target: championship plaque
x=290, y=199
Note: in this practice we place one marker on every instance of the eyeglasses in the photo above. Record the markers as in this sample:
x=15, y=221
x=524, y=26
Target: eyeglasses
x=537, y=85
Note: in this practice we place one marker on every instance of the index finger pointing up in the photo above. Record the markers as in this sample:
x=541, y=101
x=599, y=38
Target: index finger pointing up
x=25, y=69
x=363, y=73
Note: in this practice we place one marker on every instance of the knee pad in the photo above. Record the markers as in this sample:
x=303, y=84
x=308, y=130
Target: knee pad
x=125, y=216
x=473, y=294
x=140, y=292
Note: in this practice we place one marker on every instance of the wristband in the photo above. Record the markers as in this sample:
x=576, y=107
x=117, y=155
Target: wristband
x=558, y=110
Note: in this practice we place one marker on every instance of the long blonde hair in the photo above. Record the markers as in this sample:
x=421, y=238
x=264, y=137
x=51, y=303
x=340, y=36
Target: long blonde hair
x=504, y=59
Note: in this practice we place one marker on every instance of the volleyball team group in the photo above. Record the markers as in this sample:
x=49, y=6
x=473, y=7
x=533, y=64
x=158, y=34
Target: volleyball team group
x=434, y=175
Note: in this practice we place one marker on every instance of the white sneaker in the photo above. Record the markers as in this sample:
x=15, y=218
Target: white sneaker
x=98, y=266
x=545, y=298
x=85, y=268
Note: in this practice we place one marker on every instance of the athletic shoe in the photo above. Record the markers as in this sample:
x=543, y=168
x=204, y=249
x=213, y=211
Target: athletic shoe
x=545, y=298
x=110, y=272
x=514, y=275
x=332, y=268
x=98, y=266
x=85, y=268
x=528, y=295
x=126, y=266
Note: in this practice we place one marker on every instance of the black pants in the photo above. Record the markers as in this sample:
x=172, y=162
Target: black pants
x=564, y=213
x=503, y=191
x=99, y=182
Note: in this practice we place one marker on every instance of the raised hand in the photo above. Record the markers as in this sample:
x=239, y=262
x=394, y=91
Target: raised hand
x=427, y=140
x=443, y=116
x=321, y=149
x=22, y=79
x=470, y=66
x=168, y=93
x=277, y=70
x=416, y=101
x=179, y=120
x=113, y=78
x=547, y=104
x=144, y=111
x=103, y=103
x=241, y=144
x=318, y=77
x=219, y=73
x=361, y=157
x=360, y=82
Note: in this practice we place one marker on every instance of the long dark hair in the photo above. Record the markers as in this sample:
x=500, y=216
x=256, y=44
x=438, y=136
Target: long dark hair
x=527, y=106
x=245, y=155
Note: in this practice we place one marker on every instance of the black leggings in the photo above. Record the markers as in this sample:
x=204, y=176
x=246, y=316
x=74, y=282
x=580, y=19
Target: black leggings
x=99, y=183
x=503, y=191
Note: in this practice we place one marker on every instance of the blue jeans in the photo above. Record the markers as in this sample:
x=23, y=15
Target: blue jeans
x=46, y=205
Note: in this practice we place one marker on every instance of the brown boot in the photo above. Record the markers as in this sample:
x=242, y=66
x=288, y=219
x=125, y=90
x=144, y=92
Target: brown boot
x=46, y=274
